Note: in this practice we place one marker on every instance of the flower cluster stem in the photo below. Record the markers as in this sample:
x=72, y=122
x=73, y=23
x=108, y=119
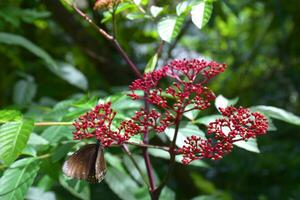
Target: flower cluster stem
x=53, y=123
x=146, y=154
x=156, y=193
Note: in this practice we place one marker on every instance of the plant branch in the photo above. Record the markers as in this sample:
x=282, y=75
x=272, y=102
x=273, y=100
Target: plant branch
x=146, y=154
x=143, y=145
x=173, y=154
x=108, y=37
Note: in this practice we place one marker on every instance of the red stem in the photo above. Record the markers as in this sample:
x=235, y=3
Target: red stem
x=146, y=155
x=109, y=38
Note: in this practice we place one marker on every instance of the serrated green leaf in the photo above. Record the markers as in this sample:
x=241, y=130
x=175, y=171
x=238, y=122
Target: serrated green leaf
x=168, y=28
x=78, y=188
x=201, y=13
x=277, y=113
x=17, y=179
x=13, y=139
x=10, y=115
x=151, y=64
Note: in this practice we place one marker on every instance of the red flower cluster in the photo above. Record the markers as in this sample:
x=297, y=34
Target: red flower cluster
x=97, y=123
x=187, y=88
x=188, y=79
x=238, y=124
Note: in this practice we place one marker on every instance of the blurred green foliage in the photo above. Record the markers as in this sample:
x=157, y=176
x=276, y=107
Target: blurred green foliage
x=56, y=67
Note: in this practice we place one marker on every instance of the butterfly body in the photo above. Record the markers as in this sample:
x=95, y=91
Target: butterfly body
x=87, y=163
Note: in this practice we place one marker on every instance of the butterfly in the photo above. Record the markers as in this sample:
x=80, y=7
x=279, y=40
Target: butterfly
x=87, y=163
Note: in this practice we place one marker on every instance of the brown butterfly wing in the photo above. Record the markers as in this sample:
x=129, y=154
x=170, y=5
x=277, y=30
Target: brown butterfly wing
x=81, y=165
x=100, y=165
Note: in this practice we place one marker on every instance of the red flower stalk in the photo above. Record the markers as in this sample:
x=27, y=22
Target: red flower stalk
x=238, y=124
x=186, y=88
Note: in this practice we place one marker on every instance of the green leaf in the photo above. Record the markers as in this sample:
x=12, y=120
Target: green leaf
x=277, y=113
x=45, y=183
x=13, y=139
x=223, y=102
x=24, y=91
x=191, y=115
x=121, y=7
x=201, y=13
x=61, y=151
x=167, y=194
x=165, y=155
x=155, y=10
x=64, y=71
x=134, y=16
x=35, y=193
x=29, y=150
x=12, y=39
x=78, y=188
x=169, y=27
x=181, y=7
x=121, y=184
x=72, y=75
x=250, y=145
x=207, y=119
x=55, y=134
x=17, y=179
x=185, y=130
x=38, y=142
x=29, y=15
x=123, y=102
x=133, y=171
x=151, y=64
x=114, y=161
x=137, y=2
x=10, y=115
